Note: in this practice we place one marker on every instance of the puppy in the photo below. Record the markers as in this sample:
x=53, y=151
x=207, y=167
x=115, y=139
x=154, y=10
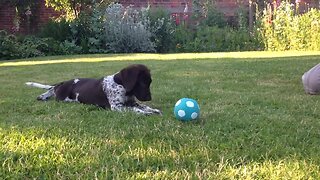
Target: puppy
x=117, y=92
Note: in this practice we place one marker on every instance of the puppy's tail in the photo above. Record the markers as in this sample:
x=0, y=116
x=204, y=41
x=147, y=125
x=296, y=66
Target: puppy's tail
x=38, y=85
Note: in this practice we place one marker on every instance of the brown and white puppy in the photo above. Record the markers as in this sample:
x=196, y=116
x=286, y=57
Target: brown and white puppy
x=117, y=92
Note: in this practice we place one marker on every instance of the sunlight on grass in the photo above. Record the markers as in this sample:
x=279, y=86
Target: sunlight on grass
x=165, y=174
x=32, y=148
x=287, y=169
x=137, y=57
x=51, y=151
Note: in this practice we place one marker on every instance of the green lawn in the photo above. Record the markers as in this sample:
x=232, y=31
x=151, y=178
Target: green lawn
x=256, y=122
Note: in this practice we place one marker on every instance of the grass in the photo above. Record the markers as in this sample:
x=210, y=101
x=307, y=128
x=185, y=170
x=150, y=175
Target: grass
x=256, y=122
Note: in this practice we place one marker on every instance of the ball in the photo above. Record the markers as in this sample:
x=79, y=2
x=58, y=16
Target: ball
x=186, y=109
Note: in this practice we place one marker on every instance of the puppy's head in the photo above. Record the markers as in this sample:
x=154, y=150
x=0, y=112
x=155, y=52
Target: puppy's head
x=136, y=79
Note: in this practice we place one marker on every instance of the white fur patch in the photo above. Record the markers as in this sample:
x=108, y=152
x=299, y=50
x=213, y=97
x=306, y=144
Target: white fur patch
x=67, y=99
x=46, y=95
x=76, y=81
x=38, y=85
x=77, y=95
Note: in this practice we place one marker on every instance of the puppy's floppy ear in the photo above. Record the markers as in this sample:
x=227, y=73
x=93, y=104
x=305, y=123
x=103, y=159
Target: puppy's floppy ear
x=127, y=77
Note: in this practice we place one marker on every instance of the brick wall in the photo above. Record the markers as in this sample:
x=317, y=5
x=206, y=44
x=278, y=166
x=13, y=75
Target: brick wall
x=7, y=15
x=40, y=16
x=177, y=7
x=173, y=6
x=45, y=14
x=304, y=5
x=228, y=7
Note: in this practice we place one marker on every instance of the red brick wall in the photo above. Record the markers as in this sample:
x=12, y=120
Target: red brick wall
x=45, y=14
x=179, y=9
x=7, y=15
x=228, y=7
x=40, y=16
x=174, y=6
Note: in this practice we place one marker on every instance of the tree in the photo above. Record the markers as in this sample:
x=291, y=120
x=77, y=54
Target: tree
x=73, y=8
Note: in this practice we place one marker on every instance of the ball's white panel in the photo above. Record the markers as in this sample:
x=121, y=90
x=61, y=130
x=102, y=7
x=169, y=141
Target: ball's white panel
x=190, y=104
x=194, y=115
x=177, y=104
x=181, y=113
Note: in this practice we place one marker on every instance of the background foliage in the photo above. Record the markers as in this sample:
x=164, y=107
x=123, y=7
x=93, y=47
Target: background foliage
x=128, y=30
x=162, y=29
x=101, y=27
x=283, y=29
x=73, y=8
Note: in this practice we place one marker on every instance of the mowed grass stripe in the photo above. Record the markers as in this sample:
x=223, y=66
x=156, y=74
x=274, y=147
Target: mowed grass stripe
x=136, y=57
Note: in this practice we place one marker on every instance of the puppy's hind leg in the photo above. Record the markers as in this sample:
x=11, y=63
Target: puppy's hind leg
x=45, y=96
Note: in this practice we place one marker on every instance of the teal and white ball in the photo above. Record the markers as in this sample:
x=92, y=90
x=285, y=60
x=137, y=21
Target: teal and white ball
x=186, y=109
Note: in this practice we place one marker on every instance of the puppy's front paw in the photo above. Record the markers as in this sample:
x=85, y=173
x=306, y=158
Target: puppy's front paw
x=42, y=98
x=157, y=111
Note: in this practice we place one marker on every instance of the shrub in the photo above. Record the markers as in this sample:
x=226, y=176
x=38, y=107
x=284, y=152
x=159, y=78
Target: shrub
x=8, y=46
x=182, y=38
x=57, y=30
x=85, y=34
x=49, y=46
x=12, y=48
x=162, y=29
x=88, y=31
x=70, y=47
x=97, y=38
x=32, y=46
x=282, y=29
x=214, y=17
x=127, y=30
x=213, y=34
x=214, y=39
